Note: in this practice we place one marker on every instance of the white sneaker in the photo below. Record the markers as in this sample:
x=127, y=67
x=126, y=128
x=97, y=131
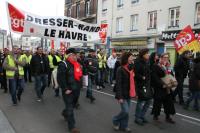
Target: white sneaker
x=113, y=85
x=98, y=88
x=39, y=100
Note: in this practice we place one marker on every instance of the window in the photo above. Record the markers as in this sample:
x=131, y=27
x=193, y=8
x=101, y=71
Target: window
x=87, y=7
x=152, y=20
x=69, y=12
x=104, y=6
x=119, y=26
x=134, y=22
x=78, y=10
x=197, y=16
x=174, y=14
x=135, y=1
x=119, y=3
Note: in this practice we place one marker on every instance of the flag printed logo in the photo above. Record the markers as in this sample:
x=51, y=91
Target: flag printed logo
x=17, y=19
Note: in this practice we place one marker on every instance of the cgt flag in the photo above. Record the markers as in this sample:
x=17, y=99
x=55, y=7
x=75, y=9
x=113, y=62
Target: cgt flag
x=63, y=28
x=103, y=32
x=186, y=40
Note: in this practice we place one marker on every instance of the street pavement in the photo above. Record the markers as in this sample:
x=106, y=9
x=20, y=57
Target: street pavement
x=31, y=116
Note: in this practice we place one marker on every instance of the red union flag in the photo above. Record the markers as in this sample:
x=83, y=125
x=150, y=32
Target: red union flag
x=186, y=40
x=103, y=32
x=17, y=19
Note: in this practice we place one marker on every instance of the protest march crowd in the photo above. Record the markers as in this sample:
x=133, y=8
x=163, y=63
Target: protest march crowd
x=146, y=78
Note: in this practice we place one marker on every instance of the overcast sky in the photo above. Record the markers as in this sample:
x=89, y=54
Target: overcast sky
x=37, y=7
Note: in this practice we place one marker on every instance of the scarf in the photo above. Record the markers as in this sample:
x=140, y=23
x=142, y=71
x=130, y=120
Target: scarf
x=77, y=69
x=165, y=67
x=132, y=92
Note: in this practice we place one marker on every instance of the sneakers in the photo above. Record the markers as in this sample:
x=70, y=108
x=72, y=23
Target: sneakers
x=112, y=85
x=98, y=88
x=116, y=128
x=75, y=130
x=127, y=130
x=139, y=122
x=39, y=100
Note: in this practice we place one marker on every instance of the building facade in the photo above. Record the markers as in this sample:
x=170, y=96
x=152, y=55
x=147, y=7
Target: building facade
x=135, y=24
x=84, y=10
x=3, y=38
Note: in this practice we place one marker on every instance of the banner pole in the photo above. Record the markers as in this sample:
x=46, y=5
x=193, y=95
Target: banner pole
x=11, y=39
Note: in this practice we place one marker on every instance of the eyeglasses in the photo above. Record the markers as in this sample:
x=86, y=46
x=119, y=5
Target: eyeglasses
x=165, y=57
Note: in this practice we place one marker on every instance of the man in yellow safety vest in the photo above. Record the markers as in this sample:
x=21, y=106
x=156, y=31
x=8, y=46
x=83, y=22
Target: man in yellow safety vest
x=13, y=64
x=27, y=69
x=50, y=58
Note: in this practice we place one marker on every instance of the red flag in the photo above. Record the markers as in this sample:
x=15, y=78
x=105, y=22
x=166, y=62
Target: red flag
x=103, y=32
x=186, y=40
x=17, y=18
x=52, y=44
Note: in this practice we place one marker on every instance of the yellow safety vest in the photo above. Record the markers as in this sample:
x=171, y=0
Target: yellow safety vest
x=20, y=68
x=29, y=59
x=50, y=57
x=102, y=61
x=11, y=63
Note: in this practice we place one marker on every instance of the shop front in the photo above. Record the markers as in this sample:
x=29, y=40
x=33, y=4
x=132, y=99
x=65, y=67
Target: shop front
x=128, y=44
x=168, y=37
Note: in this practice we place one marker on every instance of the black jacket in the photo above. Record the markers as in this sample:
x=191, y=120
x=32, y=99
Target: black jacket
x=65, y=77
x=195, y=78
x=122, y=84
x=181, y=67
x=156, y=74
x=143, y=87
x=91, y=65
x=39, y=65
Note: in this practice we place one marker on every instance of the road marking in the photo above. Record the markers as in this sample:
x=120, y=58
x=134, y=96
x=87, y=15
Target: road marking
x=191, y=122
x=133, y=101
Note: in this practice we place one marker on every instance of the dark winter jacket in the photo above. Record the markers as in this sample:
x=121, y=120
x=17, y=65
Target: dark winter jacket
x=117, y=65
x=39, y=65
x=143, y=87
x=65, y=77
x=91, y=65
x=156, y=74
x=195, y=78
x=122, y=84
x=182, y=67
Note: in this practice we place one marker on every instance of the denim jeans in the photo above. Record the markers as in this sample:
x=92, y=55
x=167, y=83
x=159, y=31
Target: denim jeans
x=111, y=76
x=122, y=118
x=195, y=96
x=20, y=86
x=69, y=109
x=141, y=109
x=101, y=77
x=40, y=84
x=13, y=89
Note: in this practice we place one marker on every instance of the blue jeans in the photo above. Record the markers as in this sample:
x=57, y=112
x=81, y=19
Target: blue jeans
x=141, y=109
x=16, y=87
x=89, y=88
x=111, y=75
x=101, y=77
x=122, y=118
x=195, y=96
x=40, y=84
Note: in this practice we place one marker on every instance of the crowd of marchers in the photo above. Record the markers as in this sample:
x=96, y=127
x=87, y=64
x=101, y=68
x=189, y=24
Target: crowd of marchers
x=148, y=78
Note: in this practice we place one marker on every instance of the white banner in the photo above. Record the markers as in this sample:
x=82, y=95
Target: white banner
x=63, y=28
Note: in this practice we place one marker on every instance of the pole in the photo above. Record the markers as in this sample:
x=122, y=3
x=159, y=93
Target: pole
x=3, y=41
x=11, y=40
